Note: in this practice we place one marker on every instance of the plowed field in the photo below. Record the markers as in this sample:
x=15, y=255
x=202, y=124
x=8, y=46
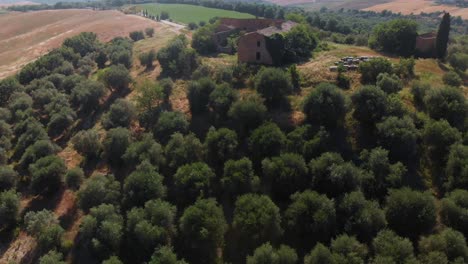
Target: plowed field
x=26, y=36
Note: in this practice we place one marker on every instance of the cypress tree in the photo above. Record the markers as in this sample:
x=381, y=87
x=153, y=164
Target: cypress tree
x=443, y=36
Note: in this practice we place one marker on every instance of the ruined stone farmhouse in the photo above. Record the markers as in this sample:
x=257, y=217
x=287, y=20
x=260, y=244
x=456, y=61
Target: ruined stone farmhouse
x=258, y=42
x=426, y=45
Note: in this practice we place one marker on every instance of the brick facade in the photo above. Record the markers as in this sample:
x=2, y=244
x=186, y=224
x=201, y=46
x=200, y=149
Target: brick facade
x=252, y=49
x=425, y=45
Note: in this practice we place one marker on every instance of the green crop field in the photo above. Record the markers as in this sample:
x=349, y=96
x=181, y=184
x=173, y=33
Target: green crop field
x=190, y=13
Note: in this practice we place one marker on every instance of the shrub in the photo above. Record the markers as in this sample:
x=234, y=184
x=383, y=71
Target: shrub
x=454, y=210
x=371, y=69
x=117, y=77
x=286, y=173
x=256, y=220
x=99, y=189
x=389, y=83
x=419, y=91
x=86, y=95
x=199, y=94
x=452, y=78
x=121, y=114
x=203, y=40
x=74, y=177
x=47, y=174
x=182, y=150
x=239, y=178
x=145, y=149
x=170, y=123
x=137, y=35
x=399, y=136
x=149, y=227
x=370, y=104
x=9, y=208
x=248, y=113
x=87, y=143
x=142, y=185
x=115, y=144
x=52, y=257
x=392, y=248
x=221, y=99
x=176, y=59
x=39, y=149
x=410, y=213
x=325, y=106
x=273, y=84
x=266, y=141
x=447, y=103
x=456, y=169
x=44, y=226
x=147, y=58
x=310, y=215
x=220, y=145
x=8, y=178
x=149, y=32
x=202, y=227
x=300, y=41
x=267, y=254
x=102, y=231
x=194, y=180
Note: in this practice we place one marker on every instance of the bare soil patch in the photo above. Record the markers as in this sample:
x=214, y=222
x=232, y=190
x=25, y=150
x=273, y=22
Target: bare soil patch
x=26, y=36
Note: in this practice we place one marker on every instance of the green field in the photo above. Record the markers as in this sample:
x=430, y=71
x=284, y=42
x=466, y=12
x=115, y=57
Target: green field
x=190, y=13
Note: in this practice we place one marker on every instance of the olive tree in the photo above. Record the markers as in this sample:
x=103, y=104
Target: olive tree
x=256, y=220
x=142, y=185
x=203, y=226
x=410, y=213
x=97, y=190
x=326, y=106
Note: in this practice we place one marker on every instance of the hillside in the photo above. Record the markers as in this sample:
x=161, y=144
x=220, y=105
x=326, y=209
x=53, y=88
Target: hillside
x=154, y=147
x=26, y=36
x=190, y=13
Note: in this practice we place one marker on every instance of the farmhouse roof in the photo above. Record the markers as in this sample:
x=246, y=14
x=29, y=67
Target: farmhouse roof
x=428, y=35
x=284, y=27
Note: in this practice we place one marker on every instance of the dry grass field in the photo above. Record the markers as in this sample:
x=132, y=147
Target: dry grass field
x=419, y=6
x=26, y=36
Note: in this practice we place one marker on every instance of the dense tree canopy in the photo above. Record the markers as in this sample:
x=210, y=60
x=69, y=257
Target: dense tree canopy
x=397, y=36
x=227, y=162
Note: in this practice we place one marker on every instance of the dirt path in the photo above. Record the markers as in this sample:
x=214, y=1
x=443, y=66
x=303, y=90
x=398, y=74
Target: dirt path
x=176, y=28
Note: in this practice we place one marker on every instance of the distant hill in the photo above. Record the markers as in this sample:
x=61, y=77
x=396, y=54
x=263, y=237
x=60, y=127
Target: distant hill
x=334, y=4
x=23, y=2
